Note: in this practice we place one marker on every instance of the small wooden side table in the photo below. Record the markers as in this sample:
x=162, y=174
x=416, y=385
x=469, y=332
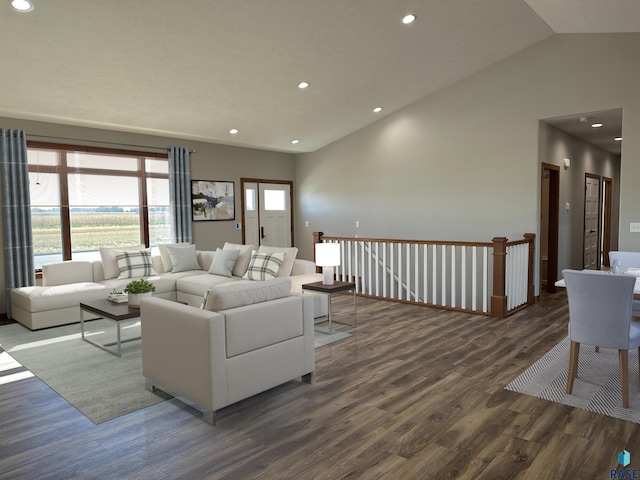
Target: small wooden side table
x=331, y=289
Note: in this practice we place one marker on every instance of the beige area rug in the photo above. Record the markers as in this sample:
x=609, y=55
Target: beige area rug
x=597, y=388
x=100, y=385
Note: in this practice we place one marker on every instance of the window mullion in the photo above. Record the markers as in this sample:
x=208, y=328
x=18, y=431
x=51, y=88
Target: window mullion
x=65, y=216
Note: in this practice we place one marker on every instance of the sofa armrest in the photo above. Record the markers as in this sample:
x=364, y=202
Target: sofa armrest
x=303, y=267
x=183, y=351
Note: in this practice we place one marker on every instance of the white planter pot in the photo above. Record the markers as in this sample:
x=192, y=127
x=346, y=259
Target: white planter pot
x=134, y=299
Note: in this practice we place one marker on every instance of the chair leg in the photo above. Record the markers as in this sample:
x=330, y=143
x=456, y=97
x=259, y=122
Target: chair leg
x=573, y=365
x=623, y=357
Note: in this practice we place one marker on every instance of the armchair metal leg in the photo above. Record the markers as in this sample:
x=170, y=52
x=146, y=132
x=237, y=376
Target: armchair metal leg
x=573, y=365
x=149, y=385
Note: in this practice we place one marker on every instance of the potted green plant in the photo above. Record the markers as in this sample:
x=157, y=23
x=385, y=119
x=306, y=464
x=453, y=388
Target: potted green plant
x=137, y=290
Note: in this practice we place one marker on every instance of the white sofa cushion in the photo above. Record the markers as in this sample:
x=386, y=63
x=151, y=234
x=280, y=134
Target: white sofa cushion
x=163, y=284
x=246, y=292
x=290, y=254
x=264, y=266
x=223, y=262
x=43, y=299
x=135, y=263
x=109, y=263
x=197, y=285
x=70, y=271
x=244, y=257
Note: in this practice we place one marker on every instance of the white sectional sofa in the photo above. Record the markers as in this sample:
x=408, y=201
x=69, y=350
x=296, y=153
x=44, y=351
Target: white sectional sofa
x=250, y=337
x=66, y=284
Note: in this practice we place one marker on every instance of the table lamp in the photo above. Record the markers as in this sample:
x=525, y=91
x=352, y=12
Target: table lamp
x=327, y=257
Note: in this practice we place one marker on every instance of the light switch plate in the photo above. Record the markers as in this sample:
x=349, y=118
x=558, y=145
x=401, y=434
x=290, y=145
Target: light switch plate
x=634, y=227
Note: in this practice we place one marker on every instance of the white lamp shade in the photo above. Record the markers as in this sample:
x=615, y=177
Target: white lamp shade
x=327, y=254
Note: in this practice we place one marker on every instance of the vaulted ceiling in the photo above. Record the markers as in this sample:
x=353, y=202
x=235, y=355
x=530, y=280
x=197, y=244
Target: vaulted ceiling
x=195, y=69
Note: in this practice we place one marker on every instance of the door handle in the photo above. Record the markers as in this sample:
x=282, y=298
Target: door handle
x=262, y=235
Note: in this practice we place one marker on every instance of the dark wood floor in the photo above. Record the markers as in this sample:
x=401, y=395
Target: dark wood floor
x=415, y=393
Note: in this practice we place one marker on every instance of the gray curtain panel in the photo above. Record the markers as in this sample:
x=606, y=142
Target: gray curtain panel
x=19, y=270
x=180, y=194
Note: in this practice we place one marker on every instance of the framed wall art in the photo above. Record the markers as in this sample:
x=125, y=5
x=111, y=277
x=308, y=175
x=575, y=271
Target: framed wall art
x=212, y=200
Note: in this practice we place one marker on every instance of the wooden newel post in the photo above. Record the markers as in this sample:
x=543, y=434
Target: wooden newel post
x=317, y=238
x=499, y=299
x=531, y=238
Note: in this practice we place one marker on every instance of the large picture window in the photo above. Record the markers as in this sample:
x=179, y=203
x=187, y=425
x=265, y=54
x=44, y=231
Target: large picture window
x=86, y=198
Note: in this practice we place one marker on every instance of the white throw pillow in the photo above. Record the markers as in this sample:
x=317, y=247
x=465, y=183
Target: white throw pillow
x=290, y=254
x=264, y=266
x=134, y=264
x=164, y=254
x=183, y=258
x=109, y=263
x=241, y=293
x=223, y=262
x=243, y=258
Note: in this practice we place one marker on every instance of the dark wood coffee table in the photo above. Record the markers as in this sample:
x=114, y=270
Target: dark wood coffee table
x=117, y=313
x=331, y=289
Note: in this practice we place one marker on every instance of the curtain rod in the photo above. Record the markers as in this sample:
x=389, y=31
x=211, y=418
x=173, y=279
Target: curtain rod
x=104, y=143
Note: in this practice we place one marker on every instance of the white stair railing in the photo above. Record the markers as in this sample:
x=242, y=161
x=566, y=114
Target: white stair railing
x=444, y=274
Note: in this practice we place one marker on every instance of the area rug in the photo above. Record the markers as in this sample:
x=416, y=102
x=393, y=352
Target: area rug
x=100, y=385
x=322, y=336
x=597, y=387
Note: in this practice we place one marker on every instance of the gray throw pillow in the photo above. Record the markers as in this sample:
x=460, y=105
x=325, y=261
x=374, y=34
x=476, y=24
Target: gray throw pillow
x=184, y=258
x=223, y=262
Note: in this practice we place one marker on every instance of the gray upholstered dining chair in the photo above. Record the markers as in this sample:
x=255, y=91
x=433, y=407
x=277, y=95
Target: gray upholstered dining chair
x=627, y=260
x=600, y=314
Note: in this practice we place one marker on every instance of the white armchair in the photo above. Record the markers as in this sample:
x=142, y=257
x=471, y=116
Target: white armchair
x=214, y=359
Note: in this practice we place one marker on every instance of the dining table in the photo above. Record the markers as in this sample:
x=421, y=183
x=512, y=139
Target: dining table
x=635, y=271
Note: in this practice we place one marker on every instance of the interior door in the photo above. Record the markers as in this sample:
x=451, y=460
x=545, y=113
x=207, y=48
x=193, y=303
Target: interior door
x=275, y=214
x=549, y=226
x=591, y=221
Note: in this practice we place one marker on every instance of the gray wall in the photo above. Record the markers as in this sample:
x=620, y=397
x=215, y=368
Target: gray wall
x=463, y=163
x=211, y=162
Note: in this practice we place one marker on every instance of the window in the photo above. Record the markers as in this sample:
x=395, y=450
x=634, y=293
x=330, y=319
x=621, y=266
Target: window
x=84, y=198
x=274, y=200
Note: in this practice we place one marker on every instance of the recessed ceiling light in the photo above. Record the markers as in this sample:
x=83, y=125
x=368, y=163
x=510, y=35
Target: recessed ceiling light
x=22, y=5
x=303, y=84
x=618, y=139
x=596, y=125
x=407, y=19
x=377, y=109
x=233, y=131
x=295, y=141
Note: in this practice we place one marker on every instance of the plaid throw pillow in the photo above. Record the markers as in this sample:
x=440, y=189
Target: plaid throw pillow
x=134, y=264
x=264, y=266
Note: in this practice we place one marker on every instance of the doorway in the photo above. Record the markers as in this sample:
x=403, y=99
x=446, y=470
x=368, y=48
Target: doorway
x=591, y=243
x=549, y=221
x=267, y=215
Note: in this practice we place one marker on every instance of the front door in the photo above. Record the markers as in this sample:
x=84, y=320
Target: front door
x=267, y=218
x=591, y=221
